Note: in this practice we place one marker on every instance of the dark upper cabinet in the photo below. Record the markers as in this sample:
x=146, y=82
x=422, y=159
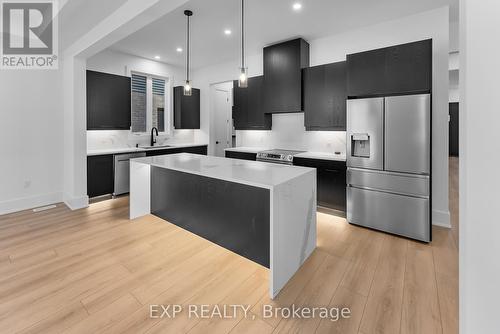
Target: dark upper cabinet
x=366, y=73
x=240, y=102
x=100, y=173
x=400, y=69
x=108, y=101
x=186, y=109
x=325, y=94
x=248, y=108
x=409, y=67
x=283, y=64
x=331, y=181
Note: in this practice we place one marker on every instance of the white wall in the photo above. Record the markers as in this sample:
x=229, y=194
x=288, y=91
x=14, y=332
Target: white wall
x=431, y=24
x=31, y=139
x=123, y=64
x=479, y=178
x=454, y=37
x=454, y=94
x=126, y=19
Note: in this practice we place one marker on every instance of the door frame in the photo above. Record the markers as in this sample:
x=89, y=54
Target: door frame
x=226, y=86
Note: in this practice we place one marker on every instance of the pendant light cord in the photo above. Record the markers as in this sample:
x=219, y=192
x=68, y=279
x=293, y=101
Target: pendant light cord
x=187, y=57
x=242, y=33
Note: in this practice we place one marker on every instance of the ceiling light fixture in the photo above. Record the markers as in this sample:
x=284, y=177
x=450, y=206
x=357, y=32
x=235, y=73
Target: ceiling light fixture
x=297, y=6
x=227, y=32
x=178, y=49
x=157, y=57
x=243, y=78
x=187, y=85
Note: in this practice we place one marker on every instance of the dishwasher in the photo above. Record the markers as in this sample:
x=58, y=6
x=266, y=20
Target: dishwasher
x=122, y=172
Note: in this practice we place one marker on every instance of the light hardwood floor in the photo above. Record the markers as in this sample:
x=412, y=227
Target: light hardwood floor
x=94, y=271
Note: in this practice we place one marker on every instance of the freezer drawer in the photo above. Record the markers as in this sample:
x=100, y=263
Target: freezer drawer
x=402, y=215
x=399, y=183
x=408, y=133
x=365, y=133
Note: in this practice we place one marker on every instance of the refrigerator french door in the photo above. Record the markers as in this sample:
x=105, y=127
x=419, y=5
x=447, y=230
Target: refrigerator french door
x=389, y=164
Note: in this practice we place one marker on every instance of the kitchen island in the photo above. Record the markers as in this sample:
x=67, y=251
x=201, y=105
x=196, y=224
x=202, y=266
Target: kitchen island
x=265, y=212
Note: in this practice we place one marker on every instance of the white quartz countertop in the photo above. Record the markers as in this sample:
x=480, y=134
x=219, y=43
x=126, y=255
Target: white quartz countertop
x=322, y=156
x=310, y=155
x=253, y=173
x=105, y=151
x=246, y=149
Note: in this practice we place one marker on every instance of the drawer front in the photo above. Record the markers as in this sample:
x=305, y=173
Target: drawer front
x=405, y=184
x=241, y=155
x=320, y=163
x=402, y=215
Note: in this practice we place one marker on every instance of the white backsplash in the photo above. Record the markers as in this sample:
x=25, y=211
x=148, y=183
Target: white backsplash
x=106, y=139
x=288, y=132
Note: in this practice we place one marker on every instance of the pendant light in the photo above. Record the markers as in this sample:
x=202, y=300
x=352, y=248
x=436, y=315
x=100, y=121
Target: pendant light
x=187, y=85
x=243, y=78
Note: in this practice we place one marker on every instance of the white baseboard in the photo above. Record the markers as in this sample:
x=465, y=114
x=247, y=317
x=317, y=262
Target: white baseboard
x=441, y=218
x=31, y=202
x=75, y=203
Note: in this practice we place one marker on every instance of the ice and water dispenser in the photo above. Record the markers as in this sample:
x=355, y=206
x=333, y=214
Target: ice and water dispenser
x=360, y=145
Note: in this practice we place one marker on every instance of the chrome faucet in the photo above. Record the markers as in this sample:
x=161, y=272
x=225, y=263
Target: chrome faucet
x=153, y=140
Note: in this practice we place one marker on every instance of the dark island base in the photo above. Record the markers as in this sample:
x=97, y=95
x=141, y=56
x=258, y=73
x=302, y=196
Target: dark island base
x=232, y=215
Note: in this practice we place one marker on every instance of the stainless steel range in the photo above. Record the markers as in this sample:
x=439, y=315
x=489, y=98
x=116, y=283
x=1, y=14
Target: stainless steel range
x=278, y=156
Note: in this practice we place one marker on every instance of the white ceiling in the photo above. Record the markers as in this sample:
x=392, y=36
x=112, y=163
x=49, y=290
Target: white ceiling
x=267, y=21
x=77, y=17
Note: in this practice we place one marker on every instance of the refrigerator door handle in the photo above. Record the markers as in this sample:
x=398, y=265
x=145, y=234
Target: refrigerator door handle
x=385, y=191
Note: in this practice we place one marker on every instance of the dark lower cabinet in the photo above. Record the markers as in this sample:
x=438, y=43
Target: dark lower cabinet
x=100, y=169
x=248, y=108
x=192, y=149
x=241, y=155
x=325, y=95
x=108, y=101
x=399, y=69
x=453, y=129
x=331, y=181
x=100, y=172
x=186, y=109
x=232, y=215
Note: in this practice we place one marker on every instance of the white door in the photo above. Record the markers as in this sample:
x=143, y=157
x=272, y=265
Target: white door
x=222, y=120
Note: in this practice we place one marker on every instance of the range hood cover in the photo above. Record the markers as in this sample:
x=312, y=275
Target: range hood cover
x=283, y=64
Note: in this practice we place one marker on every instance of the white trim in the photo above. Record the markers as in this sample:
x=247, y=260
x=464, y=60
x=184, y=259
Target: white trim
x=441, y=218
x=75, y=203
x=30, y=202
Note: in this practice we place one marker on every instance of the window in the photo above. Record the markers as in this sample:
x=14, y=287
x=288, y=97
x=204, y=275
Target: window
x=149, y=103
x=159, y=104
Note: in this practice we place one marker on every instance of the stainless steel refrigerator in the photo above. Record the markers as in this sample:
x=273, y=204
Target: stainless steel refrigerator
x=389, y=164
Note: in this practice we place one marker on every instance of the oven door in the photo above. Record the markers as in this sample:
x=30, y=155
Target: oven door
x=281, y=162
